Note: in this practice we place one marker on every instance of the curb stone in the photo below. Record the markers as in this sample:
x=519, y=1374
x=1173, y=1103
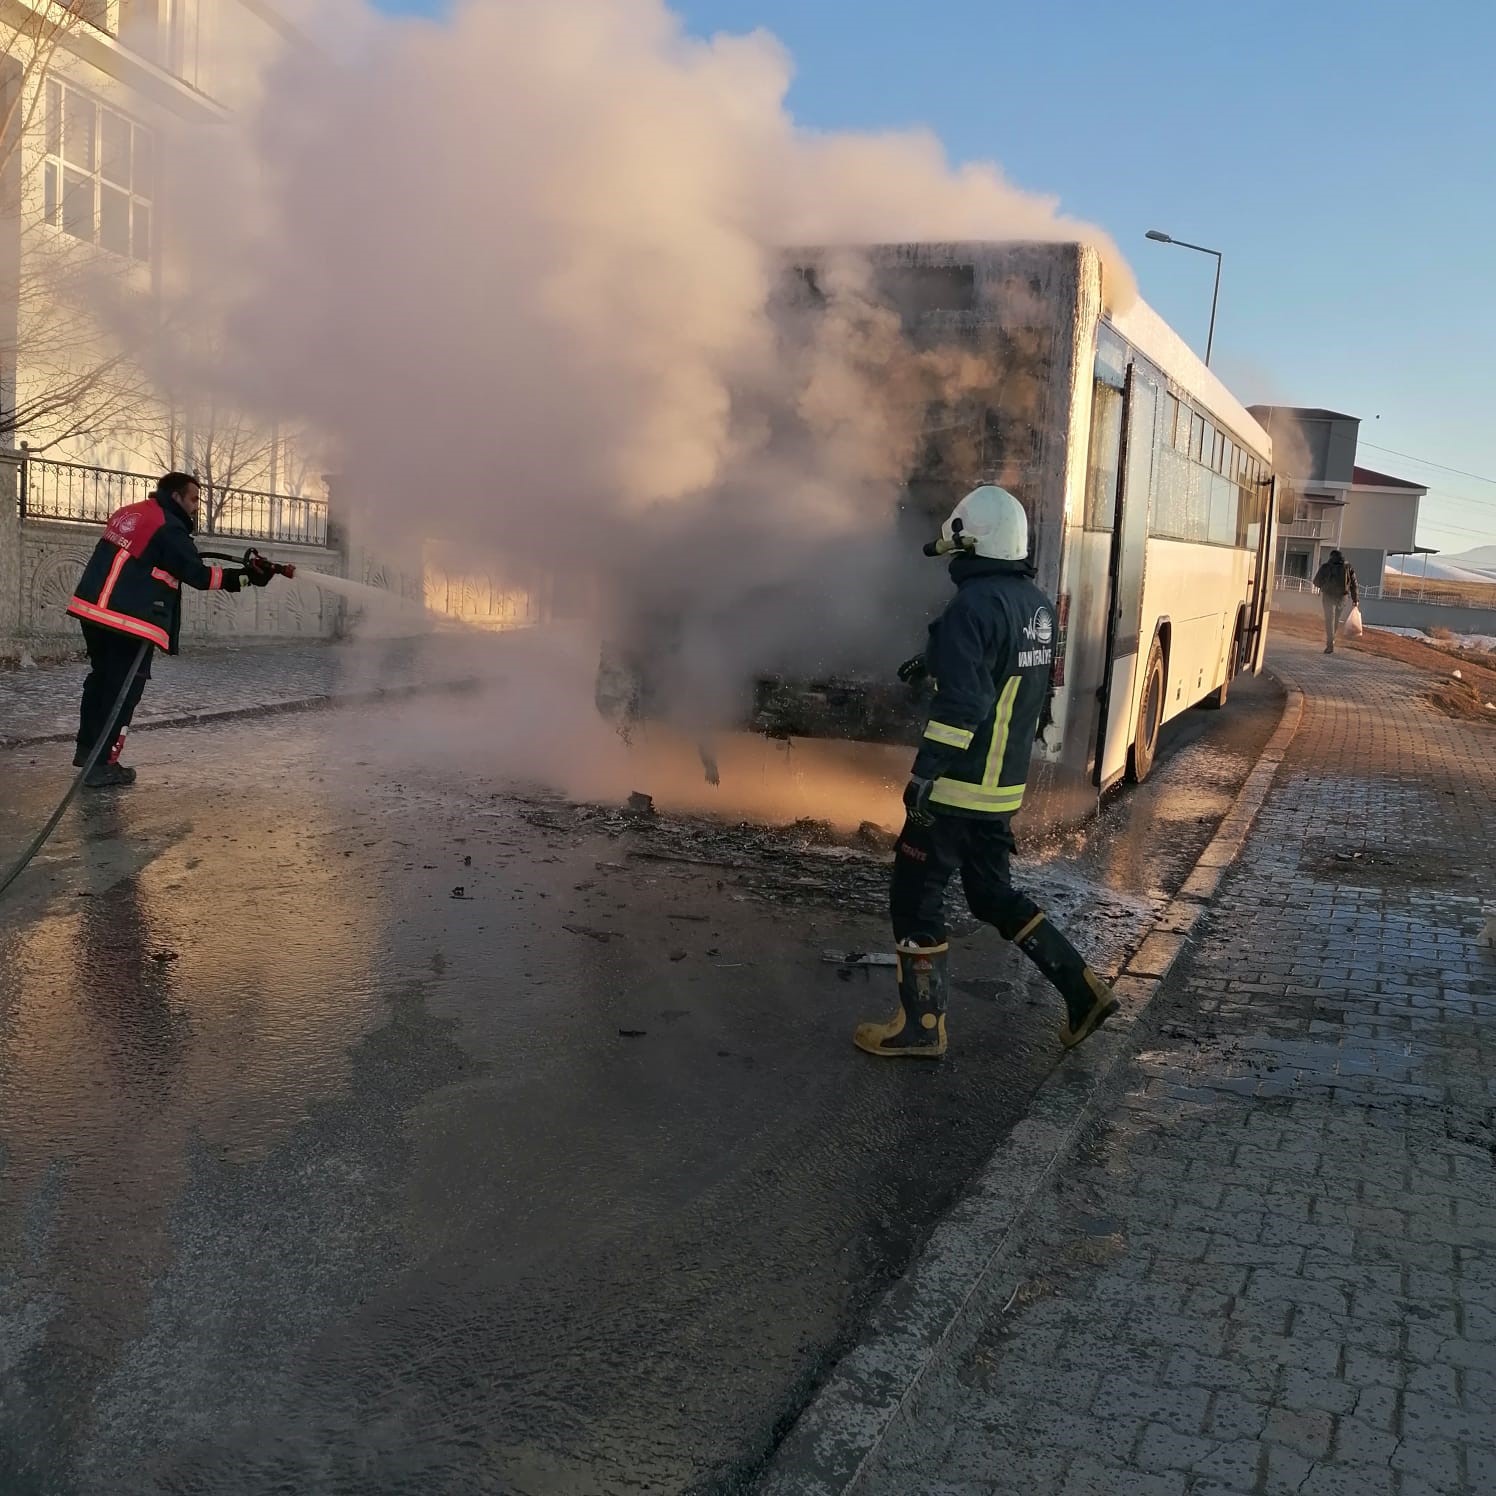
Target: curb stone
x=830, y=1446
x=324, y=702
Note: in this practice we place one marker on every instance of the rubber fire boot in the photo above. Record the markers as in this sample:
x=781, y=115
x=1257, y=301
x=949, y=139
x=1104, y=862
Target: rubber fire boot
x=108, y=777
x=114, y=756
x=1088, y=1000
x=917, y=1029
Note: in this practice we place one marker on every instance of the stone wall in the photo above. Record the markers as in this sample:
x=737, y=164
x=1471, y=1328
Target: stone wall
x=40, y=561
x=51, y=555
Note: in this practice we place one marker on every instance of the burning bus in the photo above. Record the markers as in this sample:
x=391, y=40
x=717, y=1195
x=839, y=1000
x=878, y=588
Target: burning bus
x=1150, y=495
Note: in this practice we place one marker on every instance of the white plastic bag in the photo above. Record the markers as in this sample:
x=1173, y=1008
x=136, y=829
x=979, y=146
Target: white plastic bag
x=1352, y=627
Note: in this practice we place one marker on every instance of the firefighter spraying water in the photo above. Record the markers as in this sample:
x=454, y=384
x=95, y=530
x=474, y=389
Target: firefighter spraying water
x=989, y=656
x=128, y=601
x=130, y=595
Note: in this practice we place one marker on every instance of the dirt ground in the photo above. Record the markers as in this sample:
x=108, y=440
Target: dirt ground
x=1465, y=698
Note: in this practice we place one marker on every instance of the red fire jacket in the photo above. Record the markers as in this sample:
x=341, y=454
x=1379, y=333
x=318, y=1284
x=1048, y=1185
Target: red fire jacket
x=134, y=578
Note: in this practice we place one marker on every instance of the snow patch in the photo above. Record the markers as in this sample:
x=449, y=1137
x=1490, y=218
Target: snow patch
x=1484, y=643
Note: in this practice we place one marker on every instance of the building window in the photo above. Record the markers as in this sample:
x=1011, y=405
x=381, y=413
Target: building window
x=99, y=174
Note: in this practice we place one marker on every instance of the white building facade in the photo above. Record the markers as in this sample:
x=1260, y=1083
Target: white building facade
x=1337, y=504
x=92, y=95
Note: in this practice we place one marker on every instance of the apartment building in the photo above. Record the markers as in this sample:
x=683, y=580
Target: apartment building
x=93, y=92
x=1338, y=504
x=94, y=96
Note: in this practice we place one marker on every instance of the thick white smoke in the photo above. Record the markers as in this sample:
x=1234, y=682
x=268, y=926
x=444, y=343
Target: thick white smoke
x=522, y=269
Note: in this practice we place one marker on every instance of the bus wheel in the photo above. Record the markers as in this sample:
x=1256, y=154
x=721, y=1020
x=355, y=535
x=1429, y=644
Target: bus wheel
x=1150, y=716
x=1217, y=698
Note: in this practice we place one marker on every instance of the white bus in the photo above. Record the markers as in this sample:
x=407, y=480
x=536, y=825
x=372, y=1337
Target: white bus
x=1149, y=490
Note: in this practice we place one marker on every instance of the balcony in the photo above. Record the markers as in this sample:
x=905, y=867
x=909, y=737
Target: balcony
x=1308, y=529
x=147, y=46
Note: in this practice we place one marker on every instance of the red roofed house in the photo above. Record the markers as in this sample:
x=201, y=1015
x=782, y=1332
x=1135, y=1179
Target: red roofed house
x=1339, y=505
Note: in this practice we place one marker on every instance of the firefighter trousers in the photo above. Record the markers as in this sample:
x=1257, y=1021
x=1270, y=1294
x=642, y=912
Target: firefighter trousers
x=110, y=656
x=980, y=849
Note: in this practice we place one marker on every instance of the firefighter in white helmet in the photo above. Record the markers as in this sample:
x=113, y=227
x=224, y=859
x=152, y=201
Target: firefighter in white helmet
x=990, y=654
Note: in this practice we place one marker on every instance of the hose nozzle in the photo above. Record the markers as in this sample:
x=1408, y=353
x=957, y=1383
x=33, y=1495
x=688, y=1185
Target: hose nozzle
x=254, y=561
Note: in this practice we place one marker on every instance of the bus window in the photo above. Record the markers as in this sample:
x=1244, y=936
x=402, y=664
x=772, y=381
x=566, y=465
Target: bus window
x=1171, y=492
x=917, y=291
x=1197, y=505
x=1105, y=451
x=1224, y=497
x=1111, y=358
x=1182, y=430
x=1248, y=516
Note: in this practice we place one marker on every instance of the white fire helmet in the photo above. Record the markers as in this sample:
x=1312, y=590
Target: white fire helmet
x=989, y=522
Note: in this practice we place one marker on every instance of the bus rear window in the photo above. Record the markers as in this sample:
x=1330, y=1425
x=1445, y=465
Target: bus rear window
x=917, y=290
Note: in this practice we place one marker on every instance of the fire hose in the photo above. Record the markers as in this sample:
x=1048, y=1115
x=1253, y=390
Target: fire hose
x=107, y=736
x=251, y=560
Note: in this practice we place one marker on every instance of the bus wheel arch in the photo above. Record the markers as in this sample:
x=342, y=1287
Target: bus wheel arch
x=1152, y=702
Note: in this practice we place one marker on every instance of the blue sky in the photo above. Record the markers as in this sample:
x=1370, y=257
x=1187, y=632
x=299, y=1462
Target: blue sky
x=1341, y=153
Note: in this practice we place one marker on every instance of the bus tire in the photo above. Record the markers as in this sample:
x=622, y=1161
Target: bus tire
x=1217, y=698
x=1150, y=715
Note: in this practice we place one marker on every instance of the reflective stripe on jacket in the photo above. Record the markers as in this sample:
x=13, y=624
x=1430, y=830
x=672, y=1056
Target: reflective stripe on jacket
x=991, y=654
x=133, y=580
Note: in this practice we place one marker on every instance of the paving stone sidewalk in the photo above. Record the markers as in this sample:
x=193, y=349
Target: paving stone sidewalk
x=1272, y=1267
x=211, y=681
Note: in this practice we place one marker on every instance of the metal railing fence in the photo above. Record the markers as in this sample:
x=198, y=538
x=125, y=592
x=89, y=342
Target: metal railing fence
x=78, y=494
x=1413, y=589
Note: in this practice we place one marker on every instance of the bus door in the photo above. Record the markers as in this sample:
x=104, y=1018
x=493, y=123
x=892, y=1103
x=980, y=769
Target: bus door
x=1120, y=678
x=1261, y=603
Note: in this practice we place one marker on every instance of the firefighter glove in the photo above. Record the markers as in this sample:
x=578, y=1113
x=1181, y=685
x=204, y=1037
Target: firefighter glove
x=257, y=570
x=914, y=671
x=917, y=800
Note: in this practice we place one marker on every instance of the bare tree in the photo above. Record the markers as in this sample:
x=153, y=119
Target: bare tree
x=242, y=463
x=62, y=374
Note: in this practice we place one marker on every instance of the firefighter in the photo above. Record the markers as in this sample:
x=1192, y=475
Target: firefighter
x=989, y=655
x=129, y=593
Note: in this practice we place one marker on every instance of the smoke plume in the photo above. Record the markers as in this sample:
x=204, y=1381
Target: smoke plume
x=525, y=271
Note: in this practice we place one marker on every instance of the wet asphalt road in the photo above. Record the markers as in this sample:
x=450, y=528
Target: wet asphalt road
x=315, y=1177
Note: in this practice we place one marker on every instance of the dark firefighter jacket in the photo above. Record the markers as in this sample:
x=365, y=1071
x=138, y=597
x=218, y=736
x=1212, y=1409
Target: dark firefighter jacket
x=134, y=578
x=990, y=653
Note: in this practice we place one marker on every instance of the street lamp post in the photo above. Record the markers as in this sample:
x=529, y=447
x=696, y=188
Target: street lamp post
x=1160, y=237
